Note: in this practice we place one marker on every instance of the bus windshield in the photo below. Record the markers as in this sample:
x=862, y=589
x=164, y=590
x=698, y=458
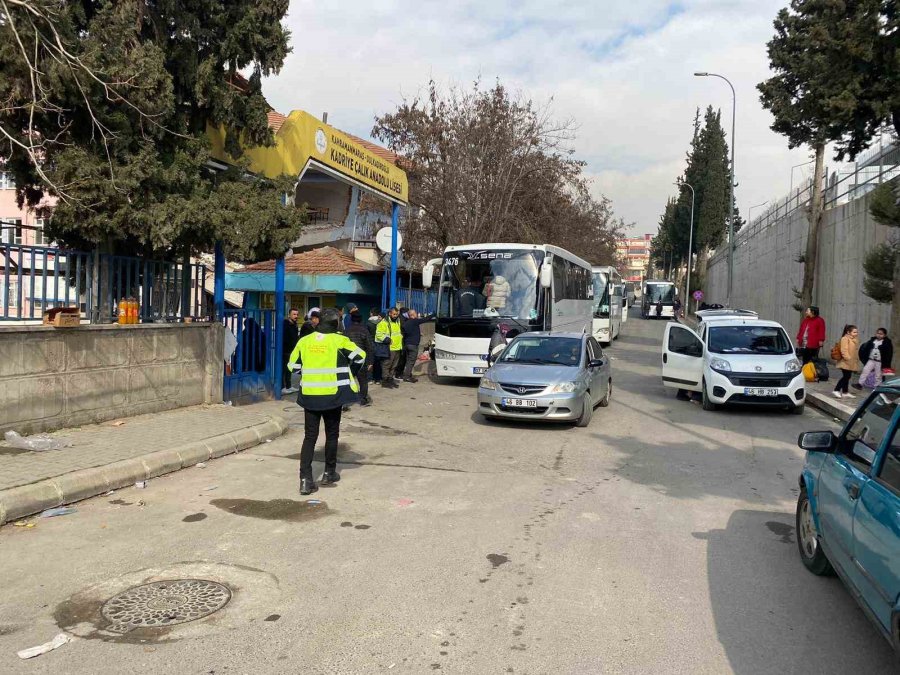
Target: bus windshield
x=490, y=283
x=660, y=293
x=601, y=291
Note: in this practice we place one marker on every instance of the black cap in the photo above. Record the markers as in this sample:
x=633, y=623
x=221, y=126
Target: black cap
x=330, y=321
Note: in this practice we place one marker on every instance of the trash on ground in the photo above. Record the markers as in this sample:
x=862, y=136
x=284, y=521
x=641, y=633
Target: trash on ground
x=111, y=492
x=59, y=511
x=404, y=502
x=227, y=402
x=141, y=484
x=22, y=523
x=200, y=465
x=118, y=423
x=37, y=443
x=141, y=503
x=31, y=652
x=268, y=440
x=210, y=487
x=260, y=459
x=313, y=501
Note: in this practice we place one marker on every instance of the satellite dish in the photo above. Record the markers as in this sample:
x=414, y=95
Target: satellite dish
x=383, y=239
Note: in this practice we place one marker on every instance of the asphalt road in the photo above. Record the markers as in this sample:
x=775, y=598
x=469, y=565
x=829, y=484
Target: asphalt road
x=659, y=539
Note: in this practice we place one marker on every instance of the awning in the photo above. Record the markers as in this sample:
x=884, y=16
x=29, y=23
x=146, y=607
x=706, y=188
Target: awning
x=304, y=143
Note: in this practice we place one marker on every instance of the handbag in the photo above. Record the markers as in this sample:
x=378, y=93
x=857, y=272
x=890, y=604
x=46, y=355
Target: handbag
x=809, y=372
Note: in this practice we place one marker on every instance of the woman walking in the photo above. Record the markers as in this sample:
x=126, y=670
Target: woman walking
x=849, y=361
x=875, y=355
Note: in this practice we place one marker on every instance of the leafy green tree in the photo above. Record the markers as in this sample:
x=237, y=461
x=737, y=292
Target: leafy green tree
x=105, y=106
x=823, y=55
x=882, y=262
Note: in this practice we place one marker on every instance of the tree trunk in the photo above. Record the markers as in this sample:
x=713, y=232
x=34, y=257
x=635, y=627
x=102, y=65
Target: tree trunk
x=812, y=237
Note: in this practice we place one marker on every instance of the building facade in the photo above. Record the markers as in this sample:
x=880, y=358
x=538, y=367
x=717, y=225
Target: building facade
x=634, y=254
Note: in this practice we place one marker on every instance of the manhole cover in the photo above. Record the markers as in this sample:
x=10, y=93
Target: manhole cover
x=164, y=603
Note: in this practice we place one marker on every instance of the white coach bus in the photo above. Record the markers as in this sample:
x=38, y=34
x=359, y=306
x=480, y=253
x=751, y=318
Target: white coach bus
x=486, y=290
x=608, y=291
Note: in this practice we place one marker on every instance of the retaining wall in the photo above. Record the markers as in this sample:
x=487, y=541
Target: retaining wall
x=766, y=271
x=52, y=378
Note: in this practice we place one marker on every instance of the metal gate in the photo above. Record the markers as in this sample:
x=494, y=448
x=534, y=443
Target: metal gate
x=250, y=371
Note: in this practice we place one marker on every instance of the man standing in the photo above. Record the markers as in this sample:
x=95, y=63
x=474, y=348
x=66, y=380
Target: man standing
x=291, y=333
x=359, y=335
x=412, y=336
x=372, y=326
x=388, y=344
x=328, y=363
x=312, y=321
x=401, y=362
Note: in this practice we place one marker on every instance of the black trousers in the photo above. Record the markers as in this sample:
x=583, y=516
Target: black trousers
x=412, y=353
x=844, y=381
x=363, y=379
x=401, y=363
x=806, y=354
x=311, y=435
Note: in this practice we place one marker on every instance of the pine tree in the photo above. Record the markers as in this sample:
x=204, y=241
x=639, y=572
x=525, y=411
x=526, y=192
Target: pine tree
x=106, y=105
x=882, y=263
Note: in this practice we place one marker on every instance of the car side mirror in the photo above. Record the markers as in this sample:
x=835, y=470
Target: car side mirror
x=818, y=441
x=595, y=363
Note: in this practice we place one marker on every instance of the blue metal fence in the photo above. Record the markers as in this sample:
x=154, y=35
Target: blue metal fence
x=34, y=279
x=250, y=374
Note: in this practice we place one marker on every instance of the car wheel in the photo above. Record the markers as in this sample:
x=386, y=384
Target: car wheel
x=798, y=409
x=604, y=403
x=587, y=411
x=707, y=401
x=811, y=552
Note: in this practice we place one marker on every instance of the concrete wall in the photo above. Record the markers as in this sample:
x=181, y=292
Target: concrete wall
x=52, y=378
x=766, y=270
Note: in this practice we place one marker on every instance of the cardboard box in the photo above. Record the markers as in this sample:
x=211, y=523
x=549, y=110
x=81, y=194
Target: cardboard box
x=63, y=317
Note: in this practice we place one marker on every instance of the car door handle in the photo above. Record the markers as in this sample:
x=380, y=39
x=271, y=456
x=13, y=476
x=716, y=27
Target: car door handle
x=852, y=489
x=666, y=357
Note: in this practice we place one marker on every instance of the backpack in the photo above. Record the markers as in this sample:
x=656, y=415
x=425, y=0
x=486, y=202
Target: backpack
x=836, y=351
x=821, y=369
x=809, y=372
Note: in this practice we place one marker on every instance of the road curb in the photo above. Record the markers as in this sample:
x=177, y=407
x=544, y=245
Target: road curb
x=828, y=406
x=26, y=500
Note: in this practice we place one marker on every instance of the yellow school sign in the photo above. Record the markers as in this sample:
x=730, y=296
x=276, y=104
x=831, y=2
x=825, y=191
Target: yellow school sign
x=304, y=142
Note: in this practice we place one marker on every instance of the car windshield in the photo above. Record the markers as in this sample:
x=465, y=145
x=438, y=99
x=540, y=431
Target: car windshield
x=490, y=283
x=749, y=340
x=661, y=293
x=548, y=350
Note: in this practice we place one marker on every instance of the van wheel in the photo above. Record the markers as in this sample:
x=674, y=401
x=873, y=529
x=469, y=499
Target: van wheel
x=707, y=401
x=811, y=552
x=604, y=403
x=586, y=412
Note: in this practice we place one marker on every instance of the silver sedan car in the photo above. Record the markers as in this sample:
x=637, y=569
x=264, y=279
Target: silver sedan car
x=547, y=376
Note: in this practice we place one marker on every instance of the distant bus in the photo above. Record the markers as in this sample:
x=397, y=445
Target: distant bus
x=511, y=288
x=608, y=290
x=629, y=292
x=655, y=293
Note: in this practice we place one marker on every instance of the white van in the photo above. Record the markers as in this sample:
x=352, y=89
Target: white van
x=734, y=358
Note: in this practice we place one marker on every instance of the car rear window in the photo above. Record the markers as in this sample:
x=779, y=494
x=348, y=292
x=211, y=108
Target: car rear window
x=749, y=340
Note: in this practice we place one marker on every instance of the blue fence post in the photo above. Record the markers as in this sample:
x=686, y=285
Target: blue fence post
x=219, y=282
x=279, y=325
x=395, y=225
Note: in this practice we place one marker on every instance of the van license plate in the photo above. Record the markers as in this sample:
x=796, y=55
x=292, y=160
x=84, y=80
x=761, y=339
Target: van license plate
x=750, y=391
x=478, y=371
x=518, y=403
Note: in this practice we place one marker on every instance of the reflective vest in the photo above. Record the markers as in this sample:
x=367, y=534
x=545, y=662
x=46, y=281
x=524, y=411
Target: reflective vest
x=327, y=363
x=387, y=328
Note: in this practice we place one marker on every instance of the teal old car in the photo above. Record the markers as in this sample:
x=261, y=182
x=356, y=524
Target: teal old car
x=848, y=512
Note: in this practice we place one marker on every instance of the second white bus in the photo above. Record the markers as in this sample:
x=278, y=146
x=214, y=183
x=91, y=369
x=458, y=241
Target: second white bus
x=608, y=290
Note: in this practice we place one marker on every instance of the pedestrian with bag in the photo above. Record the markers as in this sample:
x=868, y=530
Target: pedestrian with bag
x=290, y=333
x=328, y=363
x=359, y=335
x=388, y=345
x=875, y=355
x=846, y=353
x=811, y=335
x=412, y=336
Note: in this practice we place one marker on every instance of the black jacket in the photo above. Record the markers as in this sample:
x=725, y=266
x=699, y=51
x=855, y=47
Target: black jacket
x=360, y=336
x=412, y=331
x=291, y=335
x=887, y=352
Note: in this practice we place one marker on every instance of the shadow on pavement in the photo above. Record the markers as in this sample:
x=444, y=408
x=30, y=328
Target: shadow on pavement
x=773, y=616
x=501, y=423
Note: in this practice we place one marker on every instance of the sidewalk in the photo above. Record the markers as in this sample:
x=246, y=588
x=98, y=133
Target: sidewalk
x=819, y=395
x=115, y=454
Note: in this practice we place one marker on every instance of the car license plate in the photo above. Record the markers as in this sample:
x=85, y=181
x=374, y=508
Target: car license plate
x=518, y=403
x=752, y=391
x=478, y=371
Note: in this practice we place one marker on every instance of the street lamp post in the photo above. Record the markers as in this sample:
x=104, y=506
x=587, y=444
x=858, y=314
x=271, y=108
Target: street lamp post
x=755, y=206
x=731, y=191
x=796, y=166
x=690, y=256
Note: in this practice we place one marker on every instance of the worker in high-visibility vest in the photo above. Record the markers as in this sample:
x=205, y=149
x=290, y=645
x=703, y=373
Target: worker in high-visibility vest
x=328, y=363
x=388, y=346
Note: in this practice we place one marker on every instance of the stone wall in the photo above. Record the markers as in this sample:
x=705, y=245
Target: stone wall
x=52, y=378
x=766, y=270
